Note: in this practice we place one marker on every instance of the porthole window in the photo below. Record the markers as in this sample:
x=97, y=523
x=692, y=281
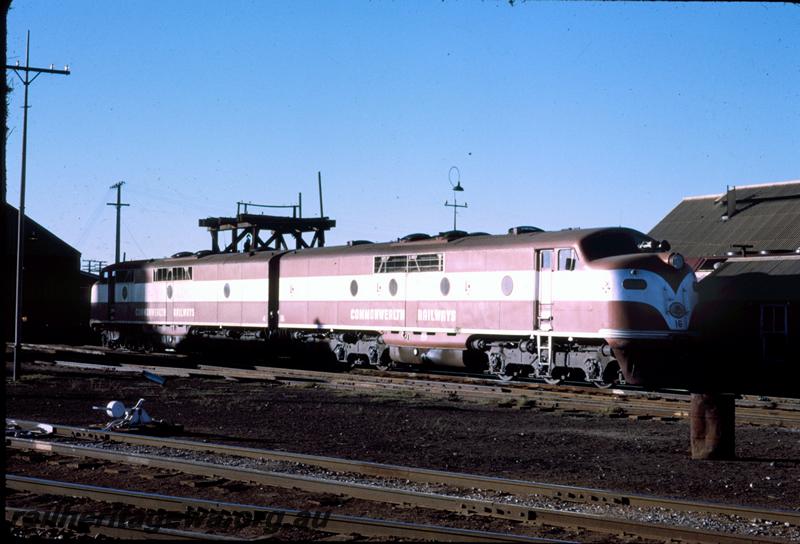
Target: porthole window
x=169, y=291
x=393, y=287
x=354, y=287
x=124, y=292
x=444, y=286
x=227, y=290
x=507, y=285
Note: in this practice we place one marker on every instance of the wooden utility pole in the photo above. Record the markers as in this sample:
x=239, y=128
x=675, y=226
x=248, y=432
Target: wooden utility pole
x=118, y=204
x=26, y=81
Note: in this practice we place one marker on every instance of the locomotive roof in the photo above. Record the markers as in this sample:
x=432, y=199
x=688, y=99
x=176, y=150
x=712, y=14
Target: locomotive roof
x=192, y=259
x=560, y=238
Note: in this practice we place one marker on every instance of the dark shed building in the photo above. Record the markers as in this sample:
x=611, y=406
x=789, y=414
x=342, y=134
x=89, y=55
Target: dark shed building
x=744, y=220
x=749, y=319
x=745, y=246
x=55, y=294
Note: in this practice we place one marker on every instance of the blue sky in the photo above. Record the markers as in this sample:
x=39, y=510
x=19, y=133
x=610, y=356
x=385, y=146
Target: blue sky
x=557, y=114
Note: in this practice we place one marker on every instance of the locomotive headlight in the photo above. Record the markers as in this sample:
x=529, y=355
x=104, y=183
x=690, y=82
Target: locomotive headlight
x=676, y=260
x=677, y=310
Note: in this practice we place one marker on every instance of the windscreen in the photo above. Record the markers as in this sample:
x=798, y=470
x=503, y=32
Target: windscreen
x=617, y=242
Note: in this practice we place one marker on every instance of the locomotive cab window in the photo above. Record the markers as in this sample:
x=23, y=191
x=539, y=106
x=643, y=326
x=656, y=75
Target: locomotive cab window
x=567, y=259
x=611, y=243
x=546, y=259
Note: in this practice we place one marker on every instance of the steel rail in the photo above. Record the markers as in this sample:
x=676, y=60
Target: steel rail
x=792, y=404
x=335, y=523
x=429, y=476
x=751, y=400
x=94, y=525
x=781, y=411
x=393, y=496
x=632, y=405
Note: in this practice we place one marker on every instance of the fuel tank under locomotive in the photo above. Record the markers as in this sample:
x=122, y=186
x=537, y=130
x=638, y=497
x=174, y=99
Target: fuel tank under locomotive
x=454, y=358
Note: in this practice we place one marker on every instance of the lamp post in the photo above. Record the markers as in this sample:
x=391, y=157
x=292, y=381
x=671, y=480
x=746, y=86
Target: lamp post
x=457, y=188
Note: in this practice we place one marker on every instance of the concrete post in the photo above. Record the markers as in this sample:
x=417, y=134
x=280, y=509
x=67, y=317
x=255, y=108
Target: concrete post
x=713, y=426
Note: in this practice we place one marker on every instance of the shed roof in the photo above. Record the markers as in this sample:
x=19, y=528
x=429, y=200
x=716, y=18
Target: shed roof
x=40, y=242
x=766, y=217
x=788, y=265
x=754, y=279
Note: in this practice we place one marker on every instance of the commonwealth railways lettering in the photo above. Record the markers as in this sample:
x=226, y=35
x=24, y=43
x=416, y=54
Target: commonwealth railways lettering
x=379, y=314
x=439, y=316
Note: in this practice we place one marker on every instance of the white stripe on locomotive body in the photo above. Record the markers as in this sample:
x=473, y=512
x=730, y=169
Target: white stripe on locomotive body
x=419, y=286
x=585, y=285
x=607, y=286
x=184, y=295
x=660, y=295
x=567, y=286
x=250, y=290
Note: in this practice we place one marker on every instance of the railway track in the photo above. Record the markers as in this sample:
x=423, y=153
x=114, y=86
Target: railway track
x=523, y=395
x=528, y=502
x=173, y=359
x=346, y=525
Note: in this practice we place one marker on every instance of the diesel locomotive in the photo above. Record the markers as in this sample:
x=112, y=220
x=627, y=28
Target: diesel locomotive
x=605, y=305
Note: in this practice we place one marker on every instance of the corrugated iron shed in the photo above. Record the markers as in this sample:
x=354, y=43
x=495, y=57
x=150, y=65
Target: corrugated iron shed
x=768, y=266
x=766, y=217
x=754, y=279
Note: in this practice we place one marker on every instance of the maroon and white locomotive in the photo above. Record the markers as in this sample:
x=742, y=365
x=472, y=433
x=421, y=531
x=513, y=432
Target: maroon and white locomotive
x=605, y=305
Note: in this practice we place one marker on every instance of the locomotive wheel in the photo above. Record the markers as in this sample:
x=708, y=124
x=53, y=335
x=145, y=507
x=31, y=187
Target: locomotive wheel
x=350, y=363
x=384, y=362
x=498, y=367
x=612, y=376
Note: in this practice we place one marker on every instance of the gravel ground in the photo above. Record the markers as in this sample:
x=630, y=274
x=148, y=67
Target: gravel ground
x=147, y=479
x=719, y=523
x=649, y=457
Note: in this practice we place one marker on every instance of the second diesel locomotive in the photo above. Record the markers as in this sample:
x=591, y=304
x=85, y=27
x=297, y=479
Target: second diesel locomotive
x=605, y=305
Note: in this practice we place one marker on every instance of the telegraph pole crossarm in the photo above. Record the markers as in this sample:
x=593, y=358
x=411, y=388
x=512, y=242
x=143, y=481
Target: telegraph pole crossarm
x=26, y=81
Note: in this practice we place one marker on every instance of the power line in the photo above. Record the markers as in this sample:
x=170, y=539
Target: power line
x=135, y=242
x=90, y=222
